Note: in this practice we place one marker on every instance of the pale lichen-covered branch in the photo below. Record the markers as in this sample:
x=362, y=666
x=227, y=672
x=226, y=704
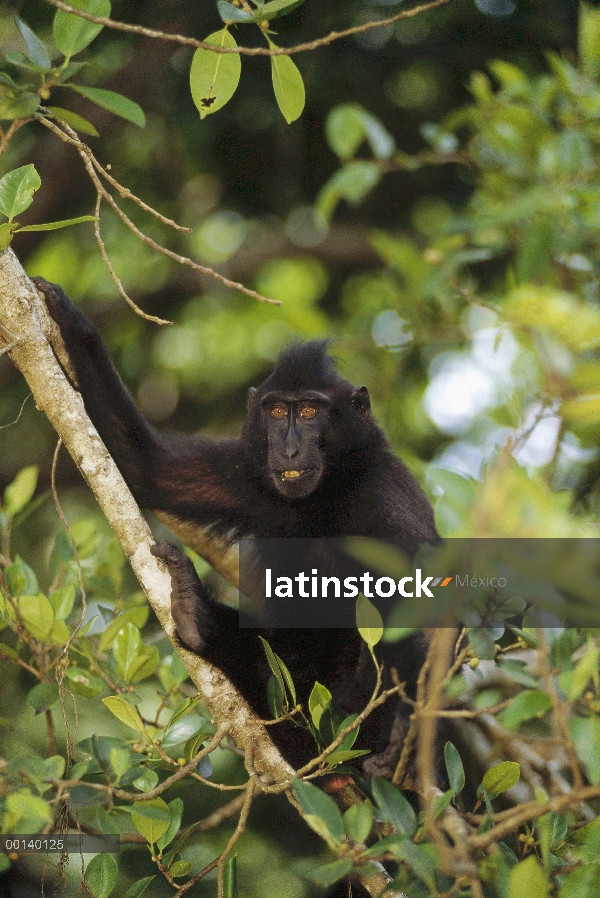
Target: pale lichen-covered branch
x=25, y=324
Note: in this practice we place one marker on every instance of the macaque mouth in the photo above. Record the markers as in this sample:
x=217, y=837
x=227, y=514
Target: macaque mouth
x=292, y=475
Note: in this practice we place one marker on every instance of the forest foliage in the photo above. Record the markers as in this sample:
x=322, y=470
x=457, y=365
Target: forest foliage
x=471, y=311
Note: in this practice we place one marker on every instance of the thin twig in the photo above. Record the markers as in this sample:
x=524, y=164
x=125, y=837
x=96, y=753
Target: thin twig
x=530, y=811
x=407, y=746
x=12, y=423
x=63, y=658
x=226, y=810
x=126, y=193
x=560, y=708
x=117, y=280
x=249, y=51
x=67, y=135
x=14, y=127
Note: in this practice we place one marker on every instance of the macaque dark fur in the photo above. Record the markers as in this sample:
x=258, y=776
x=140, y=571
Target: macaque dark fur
x=311, y=462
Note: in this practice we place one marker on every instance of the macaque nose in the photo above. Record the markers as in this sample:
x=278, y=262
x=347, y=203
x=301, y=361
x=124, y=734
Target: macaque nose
x=292, y=443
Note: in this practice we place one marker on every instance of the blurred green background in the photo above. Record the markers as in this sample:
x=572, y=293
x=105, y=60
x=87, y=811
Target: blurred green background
x=245, y=182
x=457, y=275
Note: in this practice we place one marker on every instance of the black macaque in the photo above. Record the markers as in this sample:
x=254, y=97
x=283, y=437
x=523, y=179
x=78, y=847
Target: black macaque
x=311, y=462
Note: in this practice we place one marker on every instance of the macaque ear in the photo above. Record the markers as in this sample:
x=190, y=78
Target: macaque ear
x=251, y=395
x=361, y=400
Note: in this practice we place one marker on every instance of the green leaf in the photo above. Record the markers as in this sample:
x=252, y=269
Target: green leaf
x=368, y=621
x=273, y=663
x=194, y=744
x=358, y=821
x=351, y=183
x=77, y=122
x=184, y=708
x=583, y=882
x=482, y=642
x=112, y=753
x=84, y=796
x=21, y=579
x=393, y=807
x=214, y=77
x=516, y=671
x=22, y=106
x=119, y=760
x=288, y=86
x=180, y=868
x=16, y=192
x=18, y=493
x=69, y=71
x=275, y=697
x=318, y=700
x=55, y=225
x=144, y=665
x=585, y=732
x=138, y=888
x=176, y=813
x=62, y=600
x=151, y=818
x=37, y=614
x=231, y=13
x=528, y=878
x=55, y=767
x=525, y=706
x=418, y=859
x=82, y=682
x=589, y=37
x=182, y=731
x=387, y=844
x=321, y=812
x=276, y=8
x=340, y=756
x=573, y=682
x=131, y=655
x=35, y=48
x=171, y=672
x=501, y=777
x=43, y=696
x=289, y=683
x=344, y=130
x=101, y=875
x=328, y=874
x=527, y=635
x=59, y=634
x=442, y=802
x=21, y=61
x=124, y=712
x=25, y=813
x=146, y=780
x=6, y=235
x=454, y=766
x=113, y=102
x=137, y=615
x=230, y=882
x=72, y=33
x=379, y=138
x=349, y=124
x=183, y=838
x=352, y=736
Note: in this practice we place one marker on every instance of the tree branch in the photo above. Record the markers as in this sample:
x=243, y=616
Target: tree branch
x=249, y=51
x=24, y=316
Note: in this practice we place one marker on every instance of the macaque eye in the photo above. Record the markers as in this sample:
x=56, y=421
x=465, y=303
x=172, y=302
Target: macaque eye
x=279, y=412
x=307, y=411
